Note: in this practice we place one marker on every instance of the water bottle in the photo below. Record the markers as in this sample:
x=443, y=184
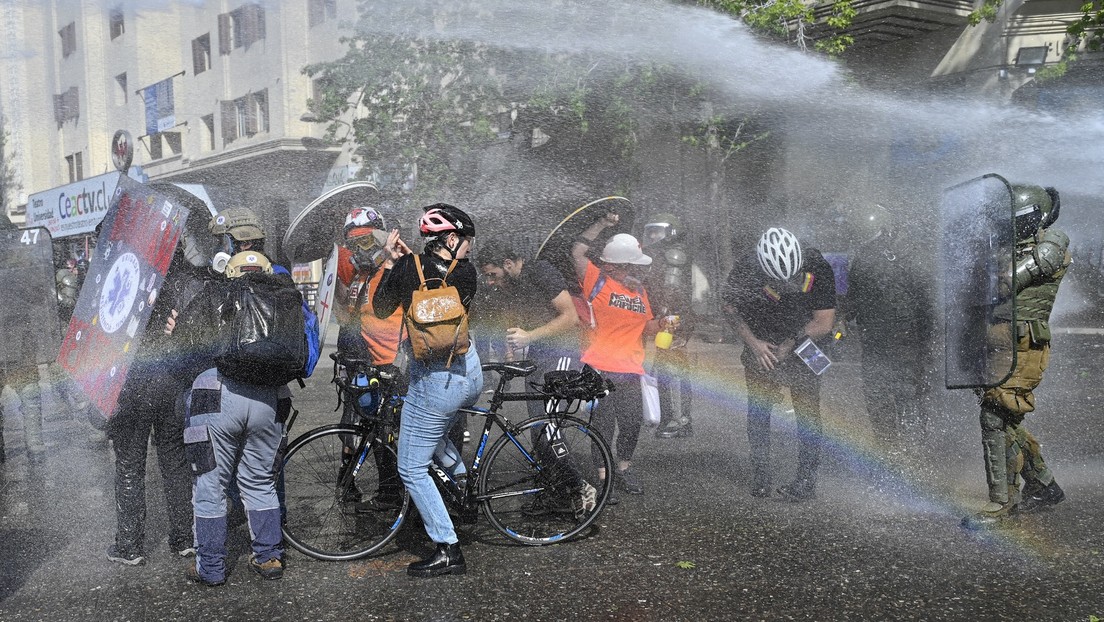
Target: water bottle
x=369, y=400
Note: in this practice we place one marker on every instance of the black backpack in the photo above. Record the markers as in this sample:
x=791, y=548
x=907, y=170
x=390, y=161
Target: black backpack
x=262, y=335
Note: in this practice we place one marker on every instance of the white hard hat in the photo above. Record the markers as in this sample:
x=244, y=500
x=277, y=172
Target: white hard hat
x=624, y=248
x=779, y=254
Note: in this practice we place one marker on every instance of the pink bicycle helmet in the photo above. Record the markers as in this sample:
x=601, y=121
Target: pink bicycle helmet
x=441, y=218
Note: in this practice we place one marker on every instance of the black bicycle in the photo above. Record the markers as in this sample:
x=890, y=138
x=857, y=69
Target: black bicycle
x=542, y=481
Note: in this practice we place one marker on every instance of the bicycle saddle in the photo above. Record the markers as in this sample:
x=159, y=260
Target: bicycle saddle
x=512, y=369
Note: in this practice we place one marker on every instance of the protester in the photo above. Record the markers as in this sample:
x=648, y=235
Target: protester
x=438, y=386
x=776, y=298
x=541, y=326
x=235, y=427
x=151, y=406
x=362, y=335
x=615, y=346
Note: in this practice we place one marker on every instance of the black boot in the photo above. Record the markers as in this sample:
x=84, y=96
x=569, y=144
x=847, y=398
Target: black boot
x=801, y=489
x=760, y=486
x=447, y=560
x=1038, y=496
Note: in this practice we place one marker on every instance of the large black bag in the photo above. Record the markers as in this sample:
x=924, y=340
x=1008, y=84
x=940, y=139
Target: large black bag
x=263, y=331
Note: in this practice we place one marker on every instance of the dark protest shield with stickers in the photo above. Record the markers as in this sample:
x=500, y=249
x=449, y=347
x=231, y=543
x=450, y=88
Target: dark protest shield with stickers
x=977, y=246
x=29, y=325
x=133, y=251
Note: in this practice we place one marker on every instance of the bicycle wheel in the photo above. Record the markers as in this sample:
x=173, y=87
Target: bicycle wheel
x=332, y=513
x=541, y=484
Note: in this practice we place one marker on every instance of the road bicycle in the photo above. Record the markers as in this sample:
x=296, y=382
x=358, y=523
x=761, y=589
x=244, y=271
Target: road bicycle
x=541, y=481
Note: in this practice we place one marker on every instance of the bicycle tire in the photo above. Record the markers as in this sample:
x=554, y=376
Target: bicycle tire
x=329, y=519
x=537, y=502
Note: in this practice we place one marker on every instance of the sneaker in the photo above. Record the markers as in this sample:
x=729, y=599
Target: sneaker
x=270, y=571
x=584, y=500
x=1037, y=497
x=191, y=573
x=126, y=558
x=628, y=482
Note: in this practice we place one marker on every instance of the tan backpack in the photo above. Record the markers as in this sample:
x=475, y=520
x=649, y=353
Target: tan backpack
x=436, y=320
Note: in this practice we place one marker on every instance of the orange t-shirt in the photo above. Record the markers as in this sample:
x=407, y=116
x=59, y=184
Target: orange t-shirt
x=382, y=336
x=617, y=343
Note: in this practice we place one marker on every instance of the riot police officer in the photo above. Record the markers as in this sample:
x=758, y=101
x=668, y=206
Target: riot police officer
x=1010, y=451
x=21, y=374
x=889, y=299
x=670, y=286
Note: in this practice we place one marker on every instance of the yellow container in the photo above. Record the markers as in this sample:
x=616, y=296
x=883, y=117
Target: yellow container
x=663, y=340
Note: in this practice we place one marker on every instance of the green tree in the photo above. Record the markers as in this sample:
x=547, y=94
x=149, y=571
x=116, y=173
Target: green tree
x=794, y=21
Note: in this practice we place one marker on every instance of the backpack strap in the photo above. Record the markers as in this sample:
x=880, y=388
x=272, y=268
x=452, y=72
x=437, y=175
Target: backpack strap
x=598, y=285
x=421, y=274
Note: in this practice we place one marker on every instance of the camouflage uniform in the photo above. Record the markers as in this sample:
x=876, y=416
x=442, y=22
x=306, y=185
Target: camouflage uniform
x=1010, y=451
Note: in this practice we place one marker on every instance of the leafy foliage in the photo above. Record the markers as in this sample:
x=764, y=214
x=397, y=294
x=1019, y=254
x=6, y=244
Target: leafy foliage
x=792, y=20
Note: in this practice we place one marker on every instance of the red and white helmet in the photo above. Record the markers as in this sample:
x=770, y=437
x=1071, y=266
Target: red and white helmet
x=779, y=254
x=361, y=221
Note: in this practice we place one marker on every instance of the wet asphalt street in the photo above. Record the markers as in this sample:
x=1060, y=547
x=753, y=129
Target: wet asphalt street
x=881, y=541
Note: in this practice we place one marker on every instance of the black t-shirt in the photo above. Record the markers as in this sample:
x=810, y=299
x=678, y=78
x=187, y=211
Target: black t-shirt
x=528, y=299
x=398, y=284
x=775, y=310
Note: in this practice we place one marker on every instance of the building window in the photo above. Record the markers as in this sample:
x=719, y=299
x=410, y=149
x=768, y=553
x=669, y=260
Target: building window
x=117, y=25
x=67, y=105
x=207, y=137
x=241, y=27
x=201, y=53
x=76, y=166
x=121, y=89
x=245, y=116
x=68, y=39
x=321, y=10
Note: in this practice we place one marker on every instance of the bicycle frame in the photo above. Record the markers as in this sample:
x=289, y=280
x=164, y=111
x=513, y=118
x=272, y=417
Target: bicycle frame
x=467, y=499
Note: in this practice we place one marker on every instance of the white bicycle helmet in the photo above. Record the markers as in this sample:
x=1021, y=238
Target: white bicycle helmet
x=779, y=254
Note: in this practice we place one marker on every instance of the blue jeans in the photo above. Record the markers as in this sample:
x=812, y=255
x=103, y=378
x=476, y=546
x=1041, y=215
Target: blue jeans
x=431, y=402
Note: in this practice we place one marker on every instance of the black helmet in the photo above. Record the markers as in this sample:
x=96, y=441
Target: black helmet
x=441, y=218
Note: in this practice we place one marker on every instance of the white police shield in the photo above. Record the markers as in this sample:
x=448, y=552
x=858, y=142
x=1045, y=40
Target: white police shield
x=29, y=327
x=977, y=249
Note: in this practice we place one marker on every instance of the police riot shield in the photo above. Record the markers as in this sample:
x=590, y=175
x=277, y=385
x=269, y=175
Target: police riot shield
x=133, y=251
x=977, y=249
x=29, y=327
x=556, y=248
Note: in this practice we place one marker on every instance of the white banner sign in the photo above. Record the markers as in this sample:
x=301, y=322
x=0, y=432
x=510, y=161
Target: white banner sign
x=72, y=209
